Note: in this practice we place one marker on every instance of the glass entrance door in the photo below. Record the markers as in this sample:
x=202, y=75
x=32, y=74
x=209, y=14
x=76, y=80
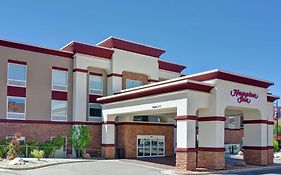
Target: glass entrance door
x=150, y=146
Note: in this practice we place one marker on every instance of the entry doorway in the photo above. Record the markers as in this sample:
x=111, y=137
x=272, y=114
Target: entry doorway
x=150, y=146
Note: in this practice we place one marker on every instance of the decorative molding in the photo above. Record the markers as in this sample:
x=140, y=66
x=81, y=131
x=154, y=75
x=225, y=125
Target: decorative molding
x=17, y=62
x=164, y=65
x=213, y=118
x=153, y=81
x=108, y=122
x=60, y=68
x=80, y=70
x=186, y=117
x=255, y=122
x=95, y=73
x=49, y=122
x=211, y=149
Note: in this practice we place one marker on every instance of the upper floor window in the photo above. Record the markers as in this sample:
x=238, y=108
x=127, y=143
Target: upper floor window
x=95, y=112
x=16, y=108
x=16, y=74
x=132, y=83
x=59, y=110
x=95, y=85
x=59, y=80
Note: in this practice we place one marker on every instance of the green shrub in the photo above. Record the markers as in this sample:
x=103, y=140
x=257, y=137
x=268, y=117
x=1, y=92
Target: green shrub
x=58, y=142
x=48, y=148
x=32, y=144
x=275, y=145
x=38, y=154
x=3, y=151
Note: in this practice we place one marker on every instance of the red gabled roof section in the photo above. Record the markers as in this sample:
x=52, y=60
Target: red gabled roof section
x=223, y=75
x=77, y=47
x=272, y=98
x=37, y=49
x=113, y=42
x=164, y=65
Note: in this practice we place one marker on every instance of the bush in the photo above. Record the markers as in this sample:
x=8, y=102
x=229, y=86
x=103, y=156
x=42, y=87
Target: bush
x=58, y=142
x=80, y=138
x=275, y=146
x=38, y=154
x=48, y=148
x=32, y=144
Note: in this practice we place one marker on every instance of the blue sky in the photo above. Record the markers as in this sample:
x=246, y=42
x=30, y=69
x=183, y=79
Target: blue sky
x=242, y=36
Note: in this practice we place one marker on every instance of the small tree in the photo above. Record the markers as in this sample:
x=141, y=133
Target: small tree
x=80, y=138
x=38, y=154
x=275, y=146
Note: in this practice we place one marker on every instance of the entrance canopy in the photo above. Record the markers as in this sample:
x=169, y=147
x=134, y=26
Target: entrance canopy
x=201, y=98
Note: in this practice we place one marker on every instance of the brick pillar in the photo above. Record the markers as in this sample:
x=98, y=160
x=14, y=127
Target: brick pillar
x=211, y=142
x=270, y=155
x=255, y=147
x=270, y=150
x=186, y=134
x=108, y=140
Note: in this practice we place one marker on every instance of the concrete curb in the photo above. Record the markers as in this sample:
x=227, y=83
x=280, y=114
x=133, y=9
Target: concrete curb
x=172, y=172
x=45, y=165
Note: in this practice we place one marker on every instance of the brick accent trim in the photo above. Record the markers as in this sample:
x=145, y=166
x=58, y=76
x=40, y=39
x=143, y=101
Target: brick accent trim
x=257, y=147
x=48, y=122
x=186, y=117
x=108, y=123
x=211, y=149
x=80, y=70
x=16, y=91
x=114, y=75
x=207, y=119
x=144, y=123
x=108, y=145
x=17, y=62
x=255, y=122
x=186, y=150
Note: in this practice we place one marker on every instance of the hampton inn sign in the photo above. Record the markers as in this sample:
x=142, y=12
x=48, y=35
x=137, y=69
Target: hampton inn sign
x=243, y=97
x=133, y=100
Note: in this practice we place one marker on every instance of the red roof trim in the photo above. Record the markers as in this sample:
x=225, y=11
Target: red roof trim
x=80, y=70
x=117, y=43
x=256, y=122
x=230, y=77
x=272, y=98
x=161, y=90
x=170, y=66
x=96, y=74
x=208, y=119
x=31, y=48
x=87, y=49
x=153, y=81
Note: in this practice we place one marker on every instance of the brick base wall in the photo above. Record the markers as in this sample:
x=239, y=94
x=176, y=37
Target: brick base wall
x=186, y=160
x=211, y=160
x=108, y=152
x=127, y=136
x=255, y=157
x=233, y=136
x=270, y=156
x=44, y=131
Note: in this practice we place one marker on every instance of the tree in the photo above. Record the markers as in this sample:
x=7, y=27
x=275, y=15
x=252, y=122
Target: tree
x=275, y=129
x=80, y=138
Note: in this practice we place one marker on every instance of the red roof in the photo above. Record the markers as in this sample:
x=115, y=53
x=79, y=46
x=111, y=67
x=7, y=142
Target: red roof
x=170, y=66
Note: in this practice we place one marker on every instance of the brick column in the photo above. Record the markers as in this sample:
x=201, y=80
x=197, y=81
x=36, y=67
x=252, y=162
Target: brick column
x=80, y=94
x=211, y=142
x=108, y=140
x=270, y=150
x=114, y=84
x=186, y=139
x=255, y=147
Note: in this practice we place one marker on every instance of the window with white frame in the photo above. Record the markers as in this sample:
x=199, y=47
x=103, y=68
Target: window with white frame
x=16, y=107
x=59, y=80
x=132, y=83
x=95, y=85
x=231, y=123
x=59, y=110
x=16, y=74
x=95, y=112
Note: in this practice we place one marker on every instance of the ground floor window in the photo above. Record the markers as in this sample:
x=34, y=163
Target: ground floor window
x=95, y=112
x=16, y=108
x=150, y=146
x=59, y=110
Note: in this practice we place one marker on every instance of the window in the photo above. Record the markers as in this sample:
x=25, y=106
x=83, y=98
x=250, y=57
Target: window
x=16, y=108
x=59, y=110
x=150, y=146
x=132, y=83
x=231, y=123
x=59, y=80
x=143, y=118
x=16, y=74
x=95, y=112
x=95, y=85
